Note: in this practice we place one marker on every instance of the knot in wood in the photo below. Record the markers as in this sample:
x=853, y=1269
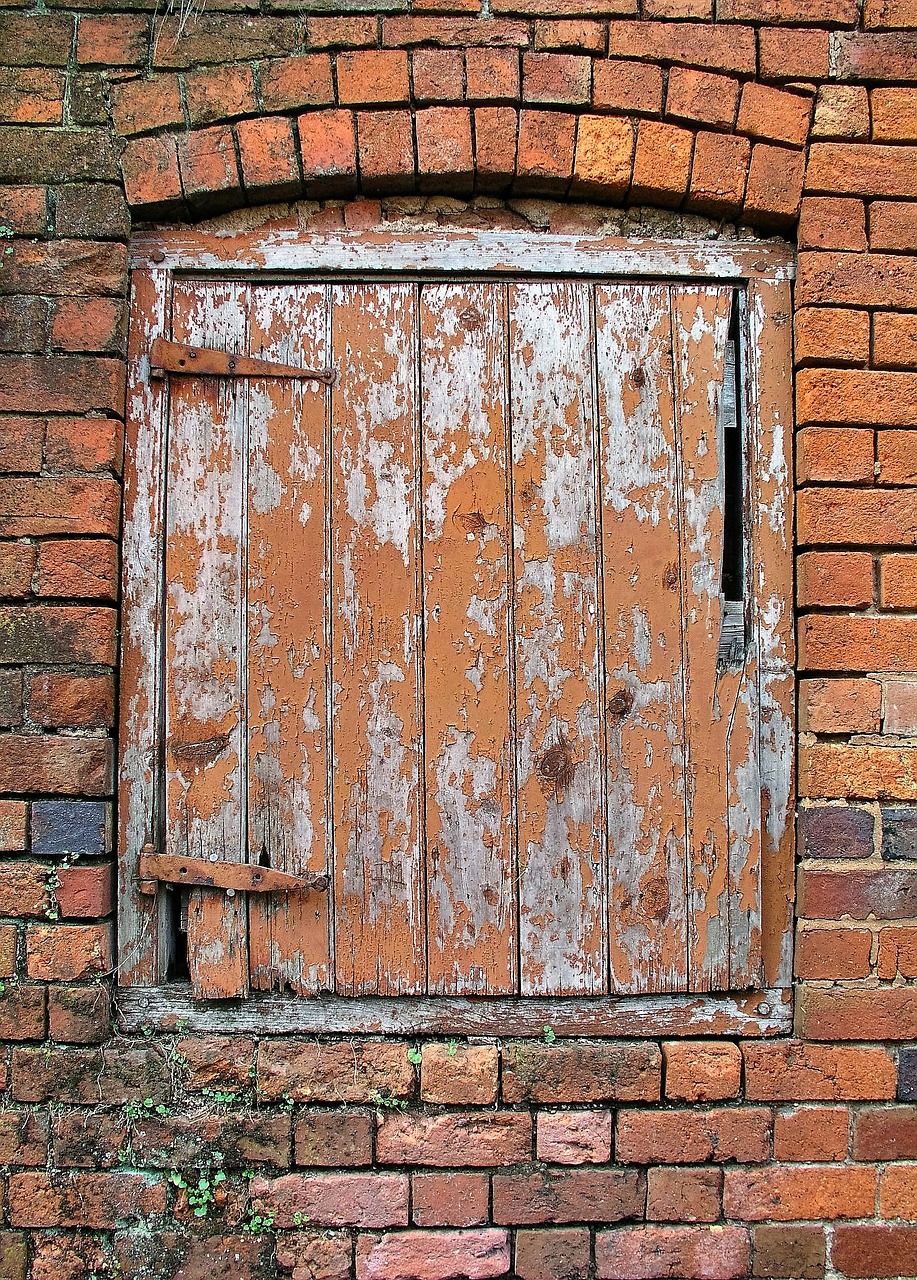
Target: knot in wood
x=556, y=769
x=620, y=703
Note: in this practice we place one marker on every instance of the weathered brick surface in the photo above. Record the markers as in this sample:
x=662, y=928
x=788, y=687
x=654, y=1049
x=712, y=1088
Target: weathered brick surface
x=795, y=1070
x=691, y=1137
x=461, y=1138
x=720, y=1253
x=350, y=1071
x=580, y=1071
x=575, y=1195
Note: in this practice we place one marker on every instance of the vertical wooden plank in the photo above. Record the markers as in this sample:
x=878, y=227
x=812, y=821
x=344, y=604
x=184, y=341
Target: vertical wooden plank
x=644, y=711
x=700, y=331
x=560, y=765
x=467, y=689
x=288, y=818
x=142, y=937
x=376, y=645
x=205, y=633
x=769, y=407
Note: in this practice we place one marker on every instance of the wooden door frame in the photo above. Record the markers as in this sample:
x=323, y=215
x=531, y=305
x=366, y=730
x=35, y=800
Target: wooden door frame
x=764, y=272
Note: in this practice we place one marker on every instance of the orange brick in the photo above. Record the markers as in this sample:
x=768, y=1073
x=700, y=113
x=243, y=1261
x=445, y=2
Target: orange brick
x=604, y=154
x=832, y=335
x=793, y=55
x=328, y=146
x=867, y=515
x=25, y=209
x=832, y=222
x=701, y=96
x=31, y=95
x=786, y=1195
x=897, y=952
x=386, y=142
x=569, y=34
x=774, y=191
x=894, y=115
x=455, y=1074
x=893, y=226
x=862, y=169
x=897, y=457
x=343, y=32
x=889, y=13
x=88, y=324
x=898, y=1191
x=150, y=170
x=773, y=114
x=840, y=705
x=812, y=1133
x=438, y=75
x=693, y=1137
x=683, y=1195
x=884, y=643
x=678, y=8
x=492, y=75
x=619, y=85
x=833, y=771
x=471, y=1139
x=378, y=76
x=841, y=111
x=17, y=566
x=545, y=156
x=832, y=954
x=715, y=48
x=793, y=1071
x=701, y=1071
x=895, y=342
x=139, y=106
x=444, y=157
x=856, y=396
x=13, y=825
x=662, y=163
x=62, y=700
x=268, y=153
x=114, y=41
x=68, y=952
x=718, y=173
x=297, y=82
x=84, y=444
x=495, y=133
x=219, y=93
x=561, y=79
x=835, y=578
x=836, y=12
x=207, y=161
x=898, y=576
x=846, y=1013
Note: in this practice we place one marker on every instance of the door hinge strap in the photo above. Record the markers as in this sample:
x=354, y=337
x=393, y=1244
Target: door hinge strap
x=160, y=868
x=177, y=358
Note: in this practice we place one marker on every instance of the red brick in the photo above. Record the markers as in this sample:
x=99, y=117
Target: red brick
x=334, y=1200
x=841, y=111
x=315, y=1253
x=268, y=153
x=580, y=35
x=635, y=1253
x=36, y=39
x=701, y=1071
x=495, y=134
x=773, y=114
x=574, y=1195
x=804, y=1191
x=718, y=173
x=901, y=695
x=378, y=76
x=833, y=12
x=855, y=279
x=98, y=1200
x=885, y=1133
x=63, y=700
x=450, y=1199
x=869, y=644
x=702, y=96
x=888, y=892
x=88, y=324
x=833, y=453
x=444, y=156
x=85, y=892
x=474, y=1254
x=65, y=267
x=336, y=1138
x=79, y=1014
x=70, y=766
x=897, y=458
x=25, y=209
x=874, y=1251
x=150, y=170
x=789, y=1251
x=890, y=13
x=472, y=1139
x=840, y=706
x=22, y=1012
x=793, y=55
x=328, y=145
x=545, y=152
x=11, y=704
x=833, y=954
x=835, y=578
x=871, y=516
x=835, y=1013
x=17, y=565
x=207, y=161
x=113, y=41
x=716, y=48
x=23, y=1138
x=899, y=583
x=492, y=75
x=66, y=953
x=811, y=1133
x=897, y=952
x=862, y=169
x=386, y=140
x=775, y=179
x=895, y=341
x=459, y=1073
x=893, y=226
x=693, y=1137
x=109, y=1076
x=578, y=1071
x=875, y=57
x=354, y=1071
x=87, y=1140
x=297, y=82
x=860, y=771
x=678, y=8
x=23, y=324
x=438, y=75
x=574, y=1137
x=21, y=443
x=683, y=1195
x=564, y=79
x=220, y=1061
x=31, y=95
x=218, y=93
x=342, y=32
x=662, y=163
x=832, y=222
x=620, y=85
x=898, y=1191
x=792, y=1071
x=142, y=105
x=834, y=335
x=553, y=1254
x=13, y=824
x=8, y=937
x=604, y=154
x=84, y=567
x=25, y=888
x=399, y=32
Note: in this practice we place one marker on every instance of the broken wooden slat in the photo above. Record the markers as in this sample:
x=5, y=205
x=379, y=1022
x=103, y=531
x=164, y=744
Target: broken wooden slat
x=471, y=926
x=644, y=711
x=205, y=645
x=560, y=764
x=376, y=642
x=287, y=568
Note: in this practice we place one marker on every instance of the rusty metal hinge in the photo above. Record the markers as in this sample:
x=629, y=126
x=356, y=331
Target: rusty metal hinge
x=177, y=358
x=246, y=877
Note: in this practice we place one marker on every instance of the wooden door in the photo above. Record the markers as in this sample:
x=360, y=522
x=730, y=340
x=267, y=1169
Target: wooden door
x=452, y=632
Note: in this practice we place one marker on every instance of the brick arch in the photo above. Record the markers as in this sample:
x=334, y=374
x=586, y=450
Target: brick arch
x=725, y=149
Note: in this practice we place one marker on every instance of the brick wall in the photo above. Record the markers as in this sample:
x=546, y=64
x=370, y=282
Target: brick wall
x=167, y=1154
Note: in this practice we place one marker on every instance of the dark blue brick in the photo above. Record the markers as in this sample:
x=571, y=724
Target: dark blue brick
x=907, y=1075
x=71, y=826
x=835, y=831
x=899, y=833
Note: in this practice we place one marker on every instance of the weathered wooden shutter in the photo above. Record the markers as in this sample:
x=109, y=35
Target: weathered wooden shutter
x=452, y=632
